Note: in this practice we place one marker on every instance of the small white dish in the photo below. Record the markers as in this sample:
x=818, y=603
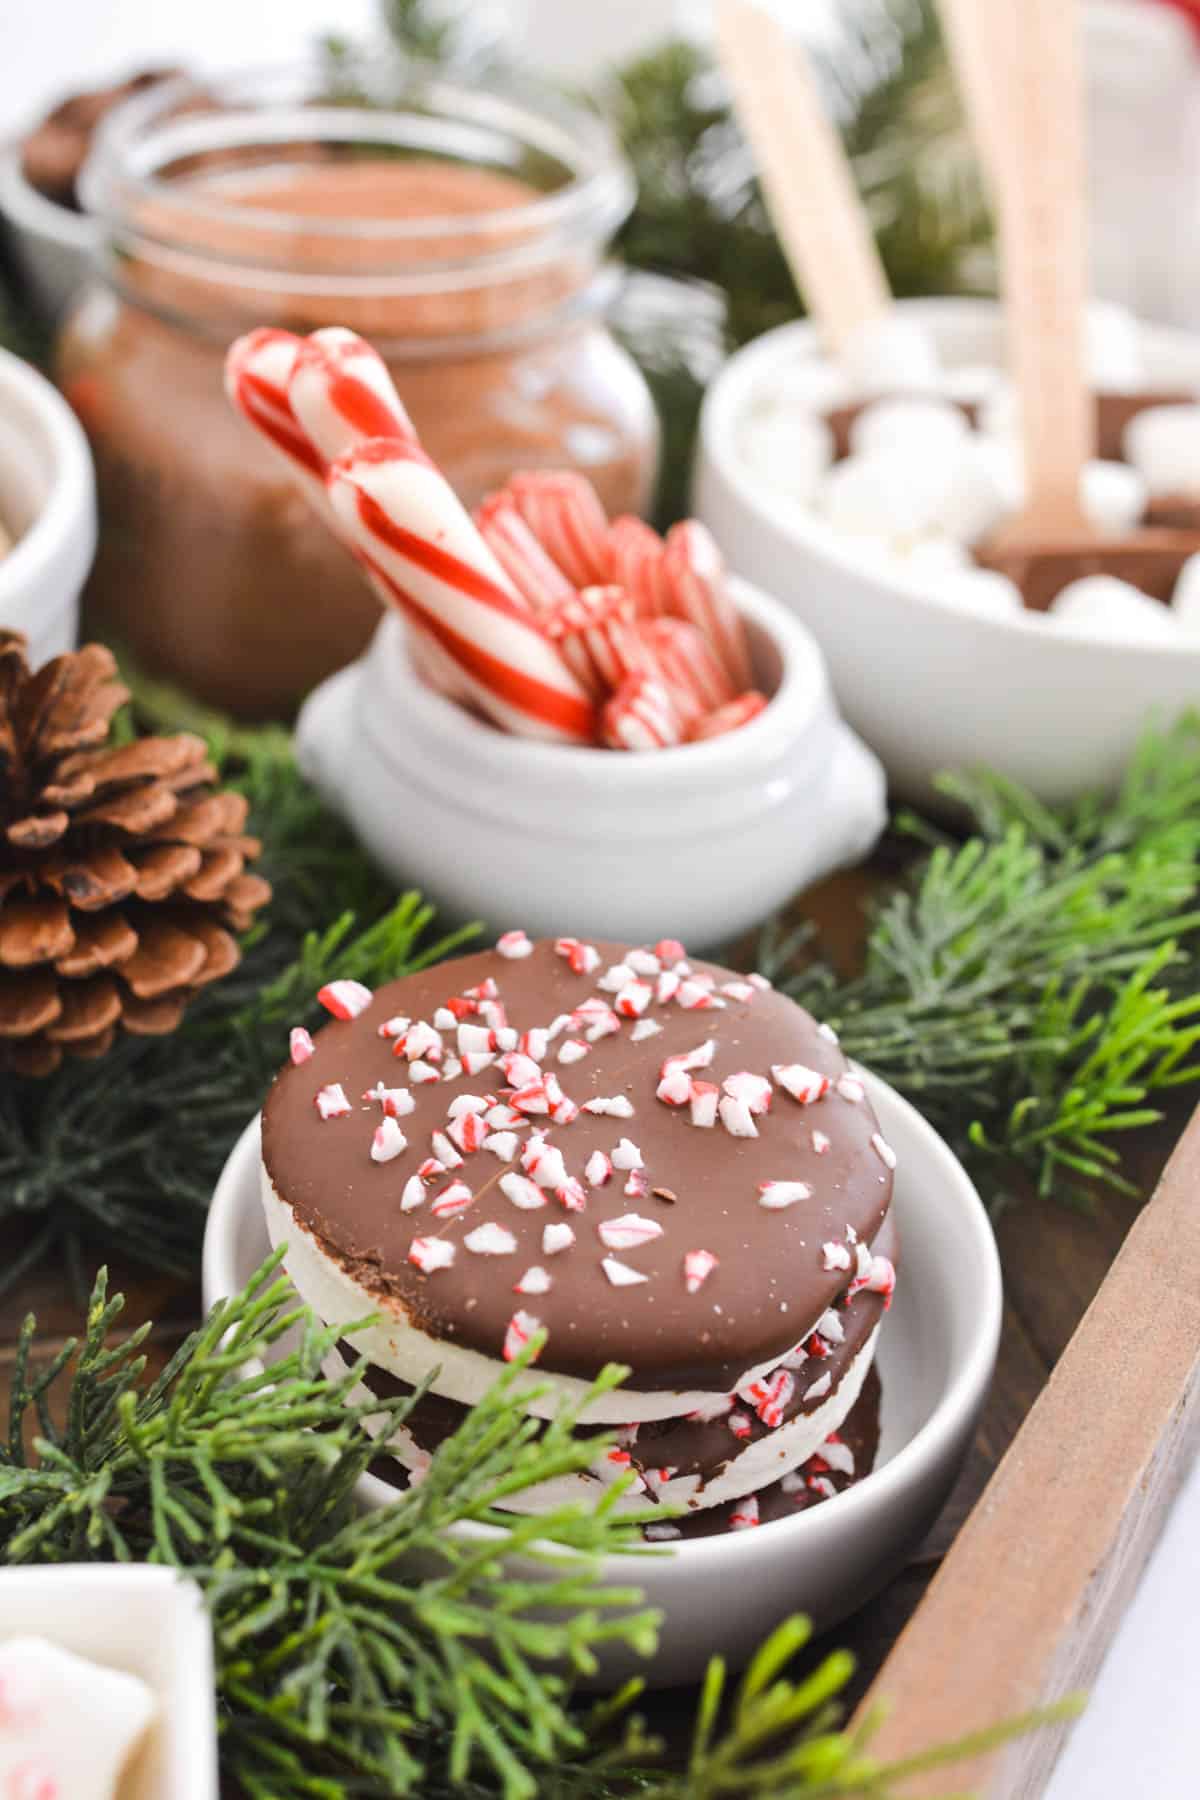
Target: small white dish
x=930, y=686
x=701, y=842
x=53, y=247
x=146, y=1622
x=48, y=505
x=937, y=1351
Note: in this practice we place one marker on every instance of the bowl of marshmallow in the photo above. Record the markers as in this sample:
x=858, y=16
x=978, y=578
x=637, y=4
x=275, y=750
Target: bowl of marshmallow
x=859, y=492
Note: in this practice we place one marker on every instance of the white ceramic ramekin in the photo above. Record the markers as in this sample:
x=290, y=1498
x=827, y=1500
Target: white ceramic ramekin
x=145, y=1622
x=698, y=843
x=52, y=246
x=931, y=687
x=48, y=504
x=937, y=1350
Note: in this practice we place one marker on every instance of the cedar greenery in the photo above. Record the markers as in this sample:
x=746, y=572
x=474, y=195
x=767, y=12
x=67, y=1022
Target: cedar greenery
x=388, y=1653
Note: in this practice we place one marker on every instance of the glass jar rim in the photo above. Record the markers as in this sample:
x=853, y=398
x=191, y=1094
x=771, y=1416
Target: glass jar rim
x=425, y=110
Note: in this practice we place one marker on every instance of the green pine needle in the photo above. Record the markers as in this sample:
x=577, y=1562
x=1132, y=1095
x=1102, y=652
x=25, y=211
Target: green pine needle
x=431, y=1647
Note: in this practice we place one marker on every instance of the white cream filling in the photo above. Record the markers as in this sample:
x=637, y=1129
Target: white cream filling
x=747, y=1471
x=397, y=1344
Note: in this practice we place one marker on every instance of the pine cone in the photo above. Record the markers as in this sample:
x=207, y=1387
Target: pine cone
x=122, y=869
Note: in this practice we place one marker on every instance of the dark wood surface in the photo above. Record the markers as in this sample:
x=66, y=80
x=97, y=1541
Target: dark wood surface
x=1054, y=1261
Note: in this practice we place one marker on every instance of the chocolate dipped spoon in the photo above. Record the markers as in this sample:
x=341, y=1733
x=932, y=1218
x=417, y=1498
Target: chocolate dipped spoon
x=1027, y=57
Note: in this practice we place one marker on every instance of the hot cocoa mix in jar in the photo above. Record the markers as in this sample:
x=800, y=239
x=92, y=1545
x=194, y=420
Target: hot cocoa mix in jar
x=465, y=234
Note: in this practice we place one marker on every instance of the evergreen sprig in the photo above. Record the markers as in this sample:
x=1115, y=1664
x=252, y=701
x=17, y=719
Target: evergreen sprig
x=1033, y=987
x=430, y=1647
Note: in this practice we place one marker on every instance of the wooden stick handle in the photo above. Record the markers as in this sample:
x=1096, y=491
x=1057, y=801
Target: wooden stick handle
x=1035, y=126
x=967, y=35
x=806, y=178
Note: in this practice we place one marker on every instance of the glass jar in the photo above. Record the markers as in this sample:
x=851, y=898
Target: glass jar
x=465, y=234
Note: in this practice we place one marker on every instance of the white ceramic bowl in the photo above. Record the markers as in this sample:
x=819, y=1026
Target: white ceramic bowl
x=937, y=1350
x=928, y=686
x=48, y=504
x=52, y=246
x=698, y=843
x=145, y=1622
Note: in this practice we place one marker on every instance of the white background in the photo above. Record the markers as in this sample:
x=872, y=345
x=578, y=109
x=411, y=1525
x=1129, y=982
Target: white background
x=1141, y=1737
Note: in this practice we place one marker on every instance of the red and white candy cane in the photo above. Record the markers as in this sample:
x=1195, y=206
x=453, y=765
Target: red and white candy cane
x=640, y=716
x=596, y=634
x=341, y=393
x=258, y=373
x=636, y=551
x=407, y=526
x=731, y=717
x=693, y=571
x=535, y=576
x=563, y=511
x=693, y=674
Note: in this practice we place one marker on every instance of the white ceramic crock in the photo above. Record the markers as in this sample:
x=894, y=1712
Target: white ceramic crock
x=52, y=246
x=931, y=687
x=698, y=843
x=937, y=1349
x=48, y=504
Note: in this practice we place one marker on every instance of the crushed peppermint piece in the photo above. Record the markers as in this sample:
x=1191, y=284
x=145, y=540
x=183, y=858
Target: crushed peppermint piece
x=793, y=1483
x=626, y=1156
x=468, y=1131
x=828, y=1033
x=394, y=1027
x=620, y=1274
x=775, y=1195
x=699, y=1058
x=582, y=959
x=616, y=1106
x=467, y=1103
x=421, y=1072
x=413, y=1195
x=705, y=1095
x=760, y=982
x=645, y=1028
x=484, y=990
x=452, y=1200
x=715, y=1407
x=675, y=1088
x=695, y=996
x=669, y=950
x=396, y=1102
x=633, y=999
x=475, y=1062
x=331, y=1101
x=822, y=1486
x=429, y=1254
x=820, y=1387
x=503, y=1144
x=738, y=990
x=515, y=945
x=451, y=1069
x=521, y=1327
x=851, y=1089
x=300, y=1045
x=739, y=1424
x=444, y=1019
x=667, y=986
x=836, y=1256
x=698, y=1265
x=883, y=1150
x=490, y=1240
x=472, y=1039
x=544, y=1162
x=643, y=962
x=556, y=1237
x=879, y=1277
x=523, y=1193
x=388, y=1142
x=595, y=1019
x=770, y=1398
x=532, y=1099
x=598, y=1169
x=421, y=1040
x=802, y=1083
x=663, y=1533
x=535, y=1280
x=830, y=1327
x=736, y=1117
x=628, y=1232
x=837, y=1454
x=502, y=1118
x=755, y=1090
x=614, y=978
x=572, y=1050
x=444, y=1150
x=520, y=1070
x=431, y=1167
x=571, y=1195
x=821, y=1144
x=795, y=1358
x=345, y=999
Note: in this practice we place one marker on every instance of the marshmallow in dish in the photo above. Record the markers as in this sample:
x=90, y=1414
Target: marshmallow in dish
x=911, y=465
x=655, y=1161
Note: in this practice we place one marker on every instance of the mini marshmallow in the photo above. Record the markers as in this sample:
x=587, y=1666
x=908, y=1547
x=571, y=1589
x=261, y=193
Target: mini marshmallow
x=985, y=592
x=1163, y=444
x=806, y=384
x=1112, y=348
x=893, y=354
x=1102, y=606
x=972, y=384
x=791, y=453
x=1113, y=495
x=905, y=498
x=917, y=426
